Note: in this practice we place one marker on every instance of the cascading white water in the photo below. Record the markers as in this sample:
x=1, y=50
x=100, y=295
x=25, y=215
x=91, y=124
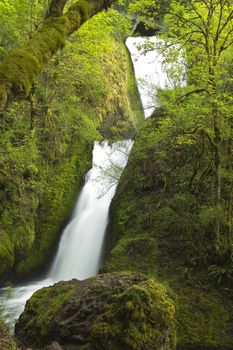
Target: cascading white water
x=80, y=247
x=81, y=244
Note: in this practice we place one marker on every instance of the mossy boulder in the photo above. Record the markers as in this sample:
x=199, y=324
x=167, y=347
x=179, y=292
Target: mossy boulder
x=149, y=232
x=106, y=312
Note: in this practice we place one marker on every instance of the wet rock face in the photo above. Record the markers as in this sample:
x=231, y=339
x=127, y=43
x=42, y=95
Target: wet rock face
x=118, y=311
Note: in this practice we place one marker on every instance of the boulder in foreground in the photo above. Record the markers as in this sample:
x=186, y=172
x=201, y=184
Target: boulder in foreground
x=107, y=312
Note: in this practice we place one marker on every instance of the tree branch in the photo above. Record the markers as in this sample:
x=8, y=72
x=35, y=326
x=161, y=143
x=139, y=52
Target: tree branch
x=56, y=8
x=19, y=70
x=196, y=91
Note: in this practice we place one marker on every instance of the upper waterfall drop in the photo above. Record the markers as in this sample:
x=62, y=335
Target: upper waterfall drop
x=149, y=67
x=152, y=70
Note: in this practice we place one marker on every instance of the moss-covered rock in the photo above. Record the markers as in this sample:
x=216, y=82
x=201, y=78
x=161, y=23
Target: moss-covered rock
x=110, y=311
x=134, y=254
x=152, y=231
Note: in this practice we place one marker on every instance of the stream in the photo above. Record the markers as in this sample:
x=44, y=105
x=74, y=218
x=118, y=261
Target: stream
x=80, y=248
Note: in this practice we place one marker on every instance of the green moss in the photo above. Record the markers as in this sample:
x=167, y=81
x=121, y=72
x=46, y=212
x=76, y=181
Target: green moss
x=56, y=208
x=134, y=254
x=3, y=94
x=204, y=319
x=6, y=254
x=137, y=319
x=20, y=69
x=46, y=303
x=133, y=94
x=122, y=116
x=82, y=7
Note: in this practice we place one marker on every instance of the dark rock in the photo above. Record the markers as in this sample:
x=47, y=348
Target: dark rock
x=53, y=346
x=118, y=311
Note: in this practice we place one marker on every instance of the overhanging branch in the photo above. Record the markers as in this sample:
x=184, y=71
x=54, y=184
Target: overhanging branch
x=56, y=8
x=19, y=70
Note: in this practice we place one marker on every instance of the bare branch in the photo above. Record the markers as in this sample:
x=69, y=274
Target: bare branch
x=196, y=91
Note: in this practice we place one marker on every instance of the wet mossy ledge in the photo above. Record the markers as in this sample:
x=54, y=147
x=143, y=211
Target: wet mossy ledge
x=155, y=228
x=107, y=312
x=46, y=141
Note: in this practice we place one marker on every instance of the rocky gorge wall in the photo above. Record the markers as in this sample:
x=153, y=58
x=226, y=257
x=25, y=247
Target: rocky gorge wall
x=46, y=143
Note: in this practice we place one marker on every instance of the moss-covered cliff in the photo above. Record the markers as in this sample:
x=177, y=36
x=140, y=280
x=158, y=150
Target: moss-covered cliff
x=156, y=228
x=46, y=141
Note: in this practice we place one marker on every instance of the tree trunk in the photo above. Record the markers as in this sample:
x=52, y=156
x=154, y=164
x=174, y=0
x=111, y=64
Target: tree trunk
x=217, y=173
x=217, y=157
x=19, y=70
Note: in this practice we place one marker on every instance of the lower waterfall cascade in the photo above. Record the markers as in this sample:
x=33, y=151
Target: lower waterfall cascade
x=80, y=247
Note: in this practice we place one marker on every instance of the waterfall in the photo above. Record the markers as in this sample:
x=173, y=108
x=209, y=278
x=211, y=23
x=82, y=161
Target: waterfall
x=81, y=243
x=80, y=247
x=149, y=71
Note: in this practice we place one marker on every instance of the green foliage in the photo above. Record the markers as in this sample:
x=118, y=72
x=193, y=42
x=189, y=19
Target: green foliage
x=220, y=273
x=6, y=253
x=196, y=126
x=6, y=342
x=150, y=12
x=19, y=19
